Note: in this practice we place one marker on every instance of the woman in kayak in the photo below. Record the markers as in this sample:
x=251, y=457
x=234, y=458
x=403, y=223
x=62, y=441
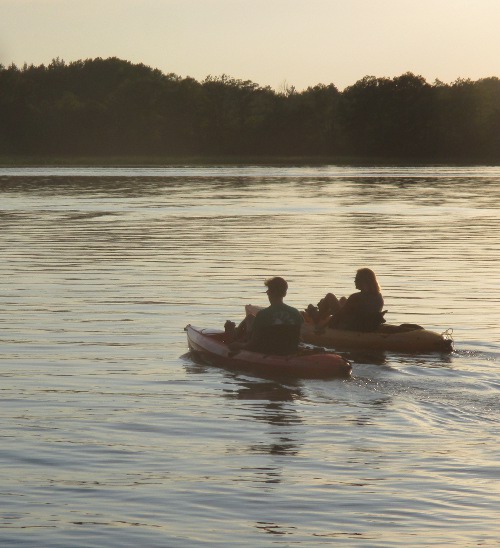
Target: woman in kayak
x=360, y=312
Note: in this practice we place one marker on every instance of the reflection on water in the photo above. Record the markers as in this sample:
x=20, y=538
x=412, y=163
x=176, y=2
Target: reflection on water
x=113, y=435
x=275, y=409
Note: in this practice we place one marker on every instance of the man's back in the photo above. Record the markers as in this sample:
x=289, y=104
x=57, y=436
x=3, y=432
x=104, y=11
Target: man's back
x=276, y=330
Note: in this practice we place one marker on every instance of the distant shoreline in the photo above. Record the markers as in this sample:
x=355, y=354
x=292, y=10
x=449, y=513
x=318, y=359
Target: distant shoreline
x=106, y=112
x=159, y=161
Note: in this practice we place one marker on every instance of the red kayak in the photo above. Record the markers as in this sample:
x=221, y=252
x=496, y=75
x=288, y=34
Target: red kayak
x=307, y=363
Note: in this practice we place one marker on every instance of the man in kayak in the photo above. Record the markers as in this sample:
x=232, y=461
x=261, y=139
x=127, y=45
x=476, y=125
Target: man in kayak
x=275, y=329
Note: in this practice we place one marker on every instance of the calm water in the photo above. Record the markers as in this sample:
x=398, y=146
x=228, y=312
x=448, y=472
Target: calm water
x=111, y=434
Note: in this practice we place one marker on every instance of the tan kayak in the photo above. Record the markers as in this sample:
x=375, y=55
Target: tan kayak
x=399, y=338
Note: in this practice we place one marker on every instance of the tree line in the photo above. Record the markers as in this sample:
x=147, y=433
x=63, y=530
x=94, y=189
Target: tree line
x=114, y=107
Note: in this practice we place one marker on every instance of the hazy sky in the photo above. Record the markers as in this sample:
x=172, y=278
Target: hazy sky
x=300, y=42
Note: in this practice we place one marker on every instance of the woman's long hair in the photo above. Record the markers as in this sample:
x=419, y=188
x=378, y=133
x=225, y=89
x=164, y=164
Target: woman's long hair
x=368, y=280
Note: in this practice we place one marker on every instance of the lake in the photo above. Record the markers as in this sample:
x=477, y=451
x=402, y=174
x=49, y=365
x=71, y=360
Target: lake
x=112, y=435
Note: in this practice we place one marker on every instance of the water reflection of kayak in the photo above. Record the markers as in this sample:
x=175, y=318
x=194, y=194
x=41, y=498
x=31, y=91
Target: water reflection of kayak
x=313, y=363
x=398, y=338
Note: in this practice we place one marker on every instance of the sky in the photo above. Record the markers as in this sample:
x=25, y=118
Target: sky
x=277, y=43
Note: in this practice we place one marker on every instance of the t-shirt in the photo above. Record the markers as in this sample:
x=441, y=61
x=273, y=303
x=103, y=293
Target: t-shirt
x=277, y=314
x=276, y=329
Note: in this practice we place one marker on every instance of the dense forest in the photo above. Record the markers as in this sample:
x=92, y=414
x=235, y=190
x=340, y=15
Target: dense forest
x=103, y=107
